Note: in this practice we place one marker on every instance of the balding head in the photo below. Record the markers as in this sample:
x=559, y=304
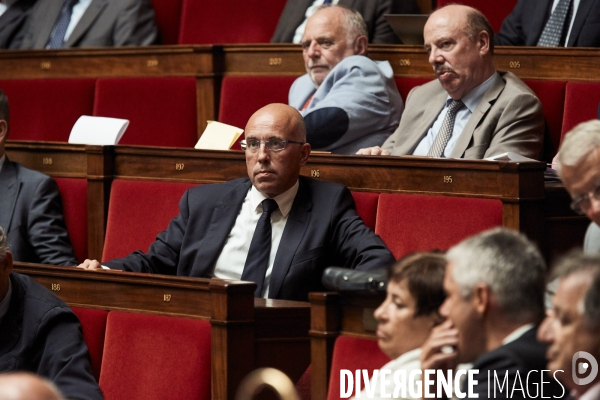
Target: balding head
x=26, y=386
x=332, y=33
x=273, y=172
x=459, y=40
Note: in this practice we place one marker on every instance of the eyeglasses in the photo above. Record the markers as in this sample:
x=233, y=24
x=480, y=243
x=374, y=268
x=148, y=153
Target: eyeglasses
x=272, y=144
x=582, y=203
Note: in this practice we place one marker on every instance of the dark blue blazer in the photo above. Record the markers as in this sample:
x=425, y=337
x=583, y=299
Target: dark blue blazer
x=322, y=230
x=525, y=24
x=31, y=216
x=40, y=334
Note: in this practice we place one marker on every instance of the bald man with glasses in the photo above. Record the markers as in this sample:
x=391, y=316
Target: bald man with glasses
x=275, y=228
x=579, y=169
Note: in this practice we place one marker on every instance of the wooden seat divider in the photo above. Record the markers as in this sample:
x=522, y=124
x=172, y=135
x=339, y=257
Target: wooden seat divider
x=246, y=333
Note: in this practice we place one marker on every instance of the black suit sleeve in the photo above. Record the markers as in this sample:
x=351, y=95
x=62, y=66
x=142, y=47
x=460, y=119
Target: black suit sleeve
x=512, y=33
x=46, y=228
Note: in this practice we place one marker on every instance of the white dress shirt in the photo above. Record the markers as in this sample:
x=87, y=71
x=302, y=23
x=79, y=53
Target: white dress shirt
x=309, y=11
x=78, y=11
x=575, y=6
x=5, y=4
x=471, y=101
x=5, y=302
x=232, y=259
x=592, y=393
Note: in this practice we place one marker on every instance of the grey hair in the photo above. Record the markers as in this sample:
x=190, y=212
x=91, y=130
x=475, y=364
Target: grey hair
x=3, y=245
x=578, y=143
x=506, y=262
x=577, y=261
x=591, y=305
x=354, y=21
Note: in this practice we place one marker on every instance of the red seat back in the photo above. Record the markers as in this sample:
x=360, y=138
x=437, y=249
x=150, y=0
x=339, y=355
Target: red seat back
x=93, y=325
x=405, y=85
x=137, y=212
x=229, y=21
x=366, y=207
x=167, y=14
x=73, y=192
x=409, y=223
x=161, y=111
x=241, y=96
x=494, y=11
x=552, y=97
x=581, y=104
x=353, y=353
x=155, y=357
x=47, y=109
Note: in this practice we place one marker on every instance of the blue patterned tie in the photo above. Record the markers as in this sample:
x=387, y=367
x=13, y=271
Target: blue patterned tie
x=553, y=34
x=443, y=136
x=57, y=38
x=257, y=261
x=326, y=1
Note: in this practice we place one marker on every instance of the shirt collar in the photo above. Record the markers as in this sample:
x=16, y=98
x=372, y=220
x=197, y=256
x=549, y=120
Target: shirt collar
x=5, y=301
x=471, y=100
x=284, y=200
x=2, y=161
x=517, y=333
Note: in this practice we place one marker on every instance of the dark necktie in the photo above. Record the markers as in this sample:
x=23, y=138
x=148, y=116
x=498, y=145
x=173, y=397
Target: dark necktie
x=257, y=261
x=57, y=38
x=443, y=136
x=326, y=1
x=556, y=28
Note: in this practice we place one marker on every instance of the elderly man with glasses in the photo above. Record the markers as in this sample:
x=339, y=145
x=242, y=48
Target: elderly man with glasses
x=579, y=168
x=277, y=228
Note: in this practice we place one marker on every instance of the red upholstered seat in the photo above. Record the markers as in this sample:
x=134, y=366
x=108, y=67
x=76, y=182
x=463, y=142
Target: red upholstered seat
x=353, y=353
x=494, y=11
x=47, y=109
x=581, y=104
x=229, y=21
x=137, y=212
x=241, y=96
x=366, y=207
x=408, y=223
x=552, y=97
x=154, y=357
x=167, y=14
x=161, y=111
x=405, y=85
x=73, y=192
x=93, y=325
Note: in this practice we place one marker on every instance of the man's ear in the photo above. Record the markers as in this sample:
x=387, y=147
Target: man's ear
x=484, y=42
x=361, y=45
x=481, y=299
x=305, y=152
x=3, y=130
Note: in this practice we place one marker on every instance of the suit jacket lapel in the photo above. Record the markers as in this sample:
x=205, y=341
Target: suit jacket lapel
x=479, y=113
x=422, y=123
x=582, y=12
x=9, y=189
x=293, y=233
x=43, y=31
x=86, y=21
x=12, y=324
x=543, y=9
x=221, y=223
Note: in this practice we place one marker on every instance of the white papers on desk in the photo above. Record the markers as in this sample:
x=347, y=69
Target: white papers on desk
x=98, y=130
x=218, y=136
x=509, y=156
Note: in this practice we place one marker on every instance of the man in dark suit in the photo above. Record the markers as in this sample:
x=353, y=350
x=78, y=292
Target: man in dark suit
x=314, y=224
x=40, y=334
x=30, y=209
x=90, y=23
x=12, y=21
x=527, y=21
x=293, y=18
x=495, y=284
x=572, y=326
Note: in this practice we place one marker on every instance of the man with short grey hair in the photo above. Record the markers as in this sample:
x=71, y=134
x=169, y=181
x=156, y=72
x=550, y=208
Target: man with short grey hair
x=495, y=298
x=347, y=100
x=572, y=325
x=40, y=334
x=26, y=386
x=579, y=169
